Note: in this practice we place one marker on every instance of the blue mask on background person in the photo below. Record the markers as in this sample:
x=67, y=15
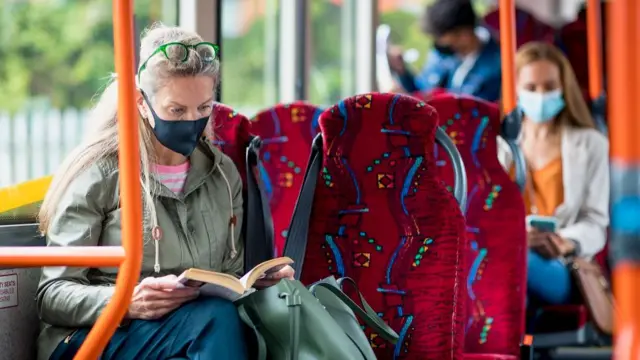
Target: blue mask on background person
x=540, y=107
x=444, y=50
x=180, y=136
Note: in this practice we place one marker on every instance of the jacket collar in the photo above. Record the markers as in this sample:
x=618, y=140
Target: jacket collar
x=574, y=168
x=204, y=160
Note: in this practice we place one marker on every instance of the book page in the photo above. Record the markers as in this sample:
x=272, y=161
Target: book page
x=201, y=278
x=267, y=267
x=219, y=291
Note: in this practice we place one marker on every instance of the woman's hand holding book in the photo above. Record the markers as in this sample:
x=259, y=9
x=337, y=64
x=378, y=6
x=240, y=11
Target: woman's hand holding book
x=155, y=297
x=273, y=277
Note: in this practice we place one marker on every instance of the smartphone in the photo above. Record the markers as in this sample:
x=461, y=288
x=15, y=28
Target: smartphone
x=542, y=223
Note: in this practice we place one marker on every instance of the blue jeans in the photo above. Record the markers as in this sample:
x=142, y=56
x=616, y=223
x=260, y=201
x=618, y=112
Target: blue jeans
x=548, y=280
x=207, y=328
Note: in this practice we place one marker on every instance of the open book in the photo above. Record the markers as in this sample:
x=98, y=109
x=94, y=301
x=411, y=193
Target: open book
x=228, y=286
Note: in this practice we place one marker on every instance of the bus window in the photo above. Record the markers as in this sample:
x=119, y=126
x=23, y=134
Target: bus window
x=249, y=48
x=54, y=57
x=333, y=50
x=410, y=38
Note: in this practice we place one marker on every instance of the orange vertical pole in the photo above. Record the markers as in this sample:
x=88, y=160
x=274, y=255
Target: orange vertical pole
x=507, y=54
x=130, y=190
x=594, y=47
x=623, y=75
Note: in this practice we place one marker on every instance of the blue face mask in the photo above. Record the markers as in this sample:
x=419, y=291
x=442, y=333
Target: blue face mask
x=444, y=50
x=180, y=136
x=540, y=107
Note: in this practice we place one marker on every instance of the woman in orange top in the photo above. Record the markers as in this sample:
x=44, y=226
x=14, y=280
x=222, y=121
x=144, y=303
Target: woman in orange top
x=568, y=170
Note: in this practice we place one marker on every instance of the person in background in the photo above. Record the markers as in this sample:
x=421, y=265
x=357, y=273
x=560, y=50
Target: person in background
x=568, y=170
x=192, y=216
x=465, y=58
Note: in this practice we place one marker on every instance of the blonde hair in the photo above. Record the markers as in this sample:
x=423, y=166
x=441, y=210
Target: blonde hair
x=102, y=142
x=576, y=112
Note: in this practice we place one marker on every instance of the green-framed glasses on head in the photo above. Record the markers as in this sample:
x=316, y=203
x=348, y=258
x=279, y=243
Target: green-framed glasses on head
x=179, y=53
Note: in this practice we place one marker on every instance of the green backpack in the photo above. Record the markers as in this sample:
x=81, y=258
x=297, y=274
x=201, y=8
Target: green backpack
x=292, y=322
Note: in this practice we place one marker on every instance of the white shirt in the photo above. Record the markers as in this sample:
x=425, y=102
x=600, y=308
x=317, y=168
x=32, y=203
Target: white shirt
x=469, y=60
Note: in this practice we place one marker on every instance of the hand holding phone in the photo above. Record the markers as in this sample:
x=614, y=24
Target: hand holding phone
x=542, y=243
x=542, y=223
x=541, y=236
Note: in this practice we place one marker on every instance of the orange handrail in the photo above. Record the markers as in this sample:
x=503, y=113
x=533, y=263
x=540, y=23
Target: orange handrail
x=130, y=190
x=622, y=79
x=594, y=48
x=507, y=54
x=623, y=73
x=84, y=256
x=128, y=256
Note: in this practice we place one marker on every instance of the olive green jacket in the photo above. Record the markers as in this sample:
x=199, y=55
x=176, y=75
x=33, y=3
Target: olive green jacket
x=196, y=233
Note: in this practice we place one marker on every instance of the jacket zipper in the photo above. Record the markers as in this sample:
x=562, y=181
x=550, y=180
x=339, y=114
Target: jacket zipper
x=185, y=233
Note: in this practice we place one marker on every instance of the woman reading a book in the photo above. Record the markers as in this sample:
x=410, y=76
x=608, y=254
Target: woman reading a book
x=192, y=212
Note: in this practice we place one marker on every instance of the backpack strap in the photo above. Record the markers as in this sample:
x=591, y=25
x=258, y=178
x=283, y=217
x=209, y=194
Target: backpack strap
x=365, y=313
x=259, y=237
x=296, y=244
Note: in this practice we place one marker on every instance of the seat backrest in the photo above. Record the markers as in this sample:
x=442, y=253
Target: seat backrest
x=528, y=27
x=495, y=215
x=287, y=131
x=18, y=313
x=427, y=95
x=381, y=216
x=19, y=323
x=230, y=131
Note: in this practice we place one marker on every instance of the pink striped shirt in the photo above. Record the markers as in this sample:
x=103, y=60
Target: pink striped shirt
x=172, y=176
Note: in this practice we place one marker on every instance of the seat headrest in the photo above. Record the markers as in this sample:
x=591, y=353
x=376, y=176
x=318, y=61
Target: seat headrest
x=376, y=116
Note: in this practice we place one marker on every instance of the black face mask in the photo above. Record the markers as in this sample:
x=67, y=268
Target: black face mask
x=444, y=50
x=181, y=136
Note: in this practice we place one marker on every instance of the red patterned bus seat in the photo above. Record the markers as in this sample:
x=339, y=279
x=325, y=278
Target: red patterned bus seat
x=381, y=216
x=287, y=131
x=230, y=131
x=428, y=95
x=495, y=216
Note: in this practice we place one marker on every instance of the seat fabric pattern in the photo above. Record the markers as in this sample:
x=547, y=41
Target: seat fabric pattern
x=428, y=95
x=495, y=217
x=490, y=357
x=230, y=131
x=381, y=217
x=287, y=131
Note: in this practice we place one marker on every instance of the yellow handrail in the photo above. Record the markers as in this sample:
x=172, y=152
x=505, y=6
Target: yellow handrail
x=129, y=256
